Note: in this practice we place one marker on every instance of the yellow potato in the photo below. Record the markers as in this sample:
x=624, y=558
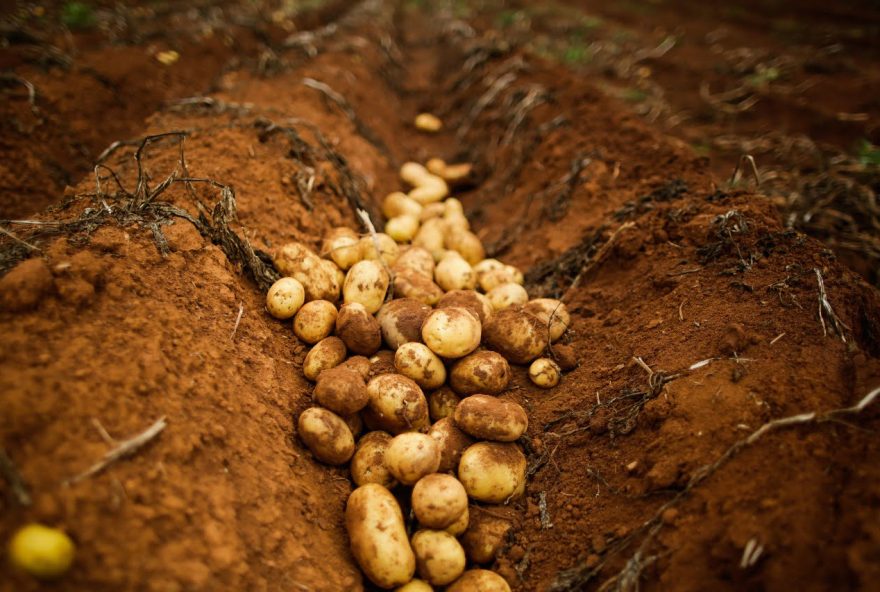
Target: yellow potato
x=341, y=390
x=493, y=472
x=545, y=373
x=438, y=500
x=442, y=403
x=455, y=223
x=480, y=372
x=452, y=206
x=401, y=321
x=398, y=204
x=417, y=361
x=489, y=418
x=360, y=364
x=431, y=189
x=454, y=273
x=413, y=173
x=314, y=321
x=368, y=462
x=439, y=556
x=327, y=353
x=326, y=435
x=485, y=266
x=516, y=335
x=396, y=405
x=343, y=246
x=452, y=442
x=470, y=299
x=550, y=311
x=44, y=552
x=436, y=166
x=484, y=537
x=387, y=247
x=412, y=455
x=317, y=276
x=402, y=228
x=456, y=174
x=451, y=332
x=415, y=259
x=495, y=277
x=507, y=295
x=285, y=298
x=467, y=244
x=366, y=283
x=458, y=527
x=410, y=284
x=416, y=586
x=479, y=580
x=428, y=122
x=430, y=237
x=432, y=210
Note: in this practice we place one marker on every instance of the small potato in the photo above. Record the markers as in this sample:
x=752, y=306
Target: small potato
x=455, y=223
x=451, y=332
x=359, y=364
x=326, y=435
x=467, y=244
x=452, y=441
x=378, y=537
x=417, y=361
x=454, y=273
x=432, y=210
x=485, y=266
x=398, y=204
x=452, y=206
x=413, y=173
x=495, y=277
x=436, y=166
x=507, y=295
x=458, y=527
x=442, y=403
x=439, y=556
x=438, y=500
x=396, y=405
x=382, y=363
x=410, y=284
x=411, y=455
x=401, y=321
x=470, y=299
x=327, y=353
x=456, y=174
x=545, y=373
x=516, y=335
x=343, y=246
x=416, y=586
x=315, y=321
x=432, y=189
x=341, y=390
x=550, y=312
x=366, y=283
x=479, y=580
x=387, y=247
x=415, y=259
x=493, y=472
x=488, y=418
x=402, y=228
x=317, y=276
x=285, y=298
x=480, y=372
x=368, y=462
x=430, y=237
x=428, y=122
x=484, y=537
x=358, y=329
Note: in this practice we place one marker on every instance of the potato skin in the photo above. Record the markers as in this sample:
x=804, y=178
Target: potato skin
x=415, y=259
x=484, y=536
x=341, y=390
x=438, y=500
x=488, y=418
x=442, y=403
x=507, y=295
x=479, y=580
x=317, y=276
x=411, y=284
x=381, y=363
x=451, y=332
x=366, y=283
x=515, y=334
x=285, y=298
x=360, y=364
x=315, y=320
x=412, y=455
x=343, y=246
x=545, y=309
x=387, y=247
x=358, y=329
x=452, y=441
x=493, y=472
x=418, y=362
x=397, y=404
x=469, y=299
x=480, y=372
x=401, y=321
x=454, y=273
x=368, y=462
x=378, y=537
x=545, y=373
x=326, y=435
x=439, y=556
x=327, y=353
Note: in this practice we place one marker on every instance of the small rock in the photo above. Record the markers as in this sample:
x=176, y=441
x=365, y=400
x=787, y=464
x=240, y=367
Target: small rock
x=566, y=357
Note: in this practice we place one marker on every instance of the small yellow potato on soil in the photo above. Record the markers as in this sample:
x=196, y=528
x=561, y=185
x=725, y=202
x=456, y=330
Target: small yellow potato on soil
x=484, y=537
x=431, y=237
x=432, y=210
x=442, y=403
x=327, y=353
x=326, y=435
x=315, y=320
x=428, y=122
x=415, y=586
x=368, y=462
x=397, y=404
x=415, y=259
x=341, y=390
x=317, y=276
x=431, y=189
x=387, y=247
x=467, y=244
x=507, y=295
x=413, y=174
x=495, y=277
x=545, y=373
x=382, y=363
x=417, y=361
x=436, y=166
x=485, y=266
x=493, y=472
x=452, y=332
x=517, y=335
x=410, y=284
x=452, y=441
x=480, y=372
x=378, y=537
x=454, y=273
x=366, y=283
x=489, y=418
x=458, y=527
x=412, y=455
x=343, y=246
x=452, y=206
x=399, y=204
x=285, y=298
x=470, y=299
x=547, y=308
x=438, y=500
x=41, y=551
x=456, y=174
x=479, y=580
x=455, y=223
x=439, y=556
x=402, y=228
x=566, y=357
x=360, y=364
x=358, y=329
x=401, y=321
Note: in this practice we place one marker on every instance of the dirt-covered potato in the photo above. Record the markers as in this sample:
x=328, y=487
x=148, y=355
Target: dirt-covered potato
x=342, y=245
x=428, y=122
x=399, y=204
x=493, y=472
x=515, y=334
x=415, y=259
x=358, y=329
x=566, y=357
x=432, y=210
x=410, y=284
x=415, y=586
x=378, y=537
x=387, y=247
x=438, y=500
x=467, y=244
x=442, y=403
x=439, y=556
x=327, y=353
x=492, y=278
x=550, y=311
x=470, y=299
x=366, y=283
x=382, y=363
x=452, y=441
x=360, y=364
x=401, y=321
x=507, y=295
x=368, y=462
x=285, y=298
x=430, y=237
x=355, y=423
x=458, y=527
x=484, y=536
x=317, y=276
x=341, y=390
x=479, y=580
x=396, y=405
x=545, y=373
x=412, y=455
x=451, y=332
x=454, y=273
x=315, y=320
x=417, y=361
x=480, y=372
x=326, y=435
x=490, y=418
x=402, y=228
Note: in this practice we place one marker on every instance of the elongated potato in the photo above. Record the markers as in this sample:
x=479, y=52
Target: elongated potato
x=314, y=321
x=402, y=228
x=399, y=204
x=516, y=335
x=432, y=210
x=326, y=435
x=410, y=284
x=368, y=462
x=401, y=321
x=428, y=122
x=454, y=273
x=285, y=298
x=479, y=580
x=480, y=372
x=490, y=418
x=438, y=500
x=415, y=259
x=358, y=329
x=442, y=403
x=341, y=390
x=550, y=311
x=342, y=245
x=439, y=556
x=493, y=472
x=378, y=536
x=413, y=173
x=417, y=361
x=452, y=442
x=366, y=283
x=412, y=455
x=507, y=295
x=430, y=237
x=451, y=332
x=544, y=373
x=387, y=247
x=432, y=189
x=470, y=299
x=317, y=276
x=396, y=405
x=327, y=353
x=484, y=537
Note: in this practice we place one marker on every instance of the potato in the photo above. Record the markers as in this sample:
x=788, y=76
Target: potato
x=409, y=284
x=398, y=204
x=402, y=228
x=368, y=462
x=432, y=210
x=41, y=551
x=438, y=500
x=507, y=295
x=550, y=308
x=452, y=206
x=479, y=580
x=454, y=273
x=366, y=283
x=467, y=244
x=412, y=455
x=359, y=364
x=315, y=321
x=387, y=247
x=428, y=122
x=545, y=373
x=285, y=298
x=343, y=246
x=455, y=223
x=327, y=353
x=396, y=405
x=431, y=237
x=489, y=418
x=458, y=527
x=341, y=390
x=480, y=372
x=326, y=435
x=484, y=537
x=414, y=174
x=452, y=332
x=485, y=266
x=495, y=277
x=416, y=586
x=431, y=189
x=442, y=403
x=456, y=174
x=493, y=472
x=436, y=166
x=417, y=361
x=415, y=259
x=452, y=441
x=516, y=335
x=317, y=276
x=378, y=536
x=401, y=321
x=439, y=556
x=355, y=423
x=358, y=329
x=382, y=363
x=566, y=357
x=469, y=299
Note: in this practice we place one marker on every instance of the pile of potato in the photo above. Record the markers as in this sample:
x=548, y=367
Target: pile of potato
x=415, y=357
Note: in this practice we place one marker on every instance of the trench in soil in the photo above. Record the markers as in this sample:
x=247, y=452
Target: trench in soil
x=122, y=332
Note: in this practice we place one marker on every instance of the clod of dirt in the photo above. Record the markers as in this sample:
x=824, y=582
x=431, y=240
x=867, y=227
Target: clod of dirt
x=25, y=286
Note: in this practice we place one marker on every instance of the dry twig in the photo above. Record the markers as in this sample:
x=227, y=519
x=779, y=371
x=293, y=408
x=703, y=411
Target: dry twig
x=14, y=478
x=123, y=449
